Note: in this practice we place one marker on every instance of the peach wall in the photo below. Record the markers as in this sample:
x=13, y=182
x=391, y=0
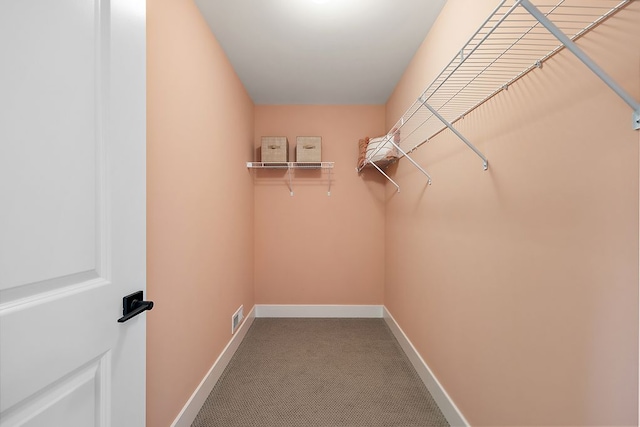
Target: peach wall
x=519, y=285
x=200, y=204
x=311, y=248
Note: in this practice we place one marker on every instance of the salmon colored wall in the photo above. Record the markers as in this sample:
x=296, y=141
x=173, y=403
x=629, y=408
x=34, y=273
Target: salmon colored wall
x=311, y=248
x=200, y=204
x=519, y=285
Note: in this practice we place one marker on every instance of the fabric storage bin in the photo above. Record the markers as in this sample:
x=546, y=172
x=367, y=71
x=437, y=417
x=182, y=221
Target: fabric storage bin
x=308, y=149
x=275, y=149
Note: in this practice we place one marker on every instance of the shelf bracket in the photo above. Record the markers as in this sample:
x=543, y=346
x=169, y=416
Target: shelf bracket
x=404, y=154
x=290, y=183
x=420, y=168
x=387, y=176
x=485, y=162
x=586, y=60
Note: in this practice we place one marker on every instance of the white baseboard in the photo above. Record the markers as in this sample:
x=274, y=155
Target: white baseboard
x=293, y=310
x=188, y=414
x=446, y=405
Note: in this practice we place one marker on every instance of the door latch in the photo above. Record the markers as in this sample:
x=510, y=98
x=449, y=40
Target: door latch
x=132, y=305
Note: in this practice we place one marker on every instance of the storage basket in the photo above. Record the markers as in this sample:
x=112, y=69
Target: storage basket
x=308, y=149
x=275, y=149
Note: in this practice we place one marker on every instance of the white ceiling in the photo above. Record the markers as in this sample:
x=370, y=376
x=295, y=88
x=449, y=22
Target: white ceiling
x=320, y=51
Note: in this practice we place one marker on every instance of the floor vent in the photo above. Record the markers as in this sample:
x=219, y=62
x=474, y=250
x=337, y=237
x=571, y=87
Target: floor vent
x=236, y=319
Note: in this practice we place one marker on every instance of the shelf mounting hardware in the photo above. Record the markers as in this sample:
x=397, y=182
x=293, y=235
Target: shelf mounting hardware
x=387, y=176
x=290, y=185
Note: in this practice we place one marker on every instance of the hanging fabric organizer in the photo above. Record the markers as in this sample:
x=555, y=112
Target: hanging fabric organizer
x=516, y=38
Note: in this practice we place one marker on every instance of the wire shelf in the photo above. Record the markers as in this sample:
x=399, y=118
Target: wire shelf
x=290, y=165
x=516, y=38
x=511, y=43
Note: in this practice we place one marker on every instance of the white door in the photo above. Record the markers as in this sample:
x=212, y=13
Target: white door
x=72, y=212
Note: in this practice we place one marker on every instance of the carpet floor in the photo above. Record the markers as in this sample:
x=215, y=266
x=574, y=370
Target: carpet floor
x=319, y=372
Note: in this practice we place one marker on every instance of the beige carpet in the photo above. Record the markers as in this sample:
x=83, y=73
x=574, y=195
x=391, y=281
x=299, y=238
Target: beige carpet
x=319, y=372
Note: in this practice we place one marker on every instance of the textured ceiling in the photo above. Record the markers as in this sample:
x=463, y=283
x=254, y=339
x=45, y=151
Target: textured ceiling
x=320, y=51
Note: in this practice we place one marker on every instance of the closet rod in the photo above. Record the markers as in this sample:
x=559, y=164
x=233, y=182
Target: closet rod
x=579, y=53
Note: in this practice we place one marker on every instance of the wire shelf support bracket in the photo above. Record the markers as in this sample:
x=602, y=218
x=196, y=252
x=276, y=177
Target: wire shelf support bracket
x=485, y=162
x=387, y=176
x=420, y=168
x=389, y=139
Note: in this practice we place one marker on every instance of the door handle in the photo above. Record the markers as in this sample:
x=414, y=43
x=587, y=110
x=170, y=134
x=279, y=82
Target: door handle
x=132, y=305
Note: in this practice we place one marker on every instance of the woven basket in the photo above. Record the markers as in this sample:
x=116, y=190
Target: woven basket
x=308, y=149
x=275, y=149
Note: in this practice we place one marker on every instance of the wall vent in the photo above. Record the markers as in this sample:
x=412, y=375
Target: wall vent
x=236, y=319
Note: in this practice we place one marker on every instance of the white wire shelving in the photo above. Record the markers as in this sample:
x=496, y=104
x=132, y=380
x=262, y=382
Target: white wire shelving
x=515, y=39
x=294, y=165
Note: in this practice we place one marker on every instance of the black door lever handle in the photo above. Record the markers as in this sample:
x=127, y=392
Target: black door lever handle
x=132, y=305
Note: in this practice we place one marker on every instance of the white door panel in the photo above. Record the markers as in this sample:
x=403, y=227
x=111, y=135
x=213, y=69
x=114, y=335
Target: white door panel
x=49, y=89
x=75, y=400
x=72, y=212
x=58, y=322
